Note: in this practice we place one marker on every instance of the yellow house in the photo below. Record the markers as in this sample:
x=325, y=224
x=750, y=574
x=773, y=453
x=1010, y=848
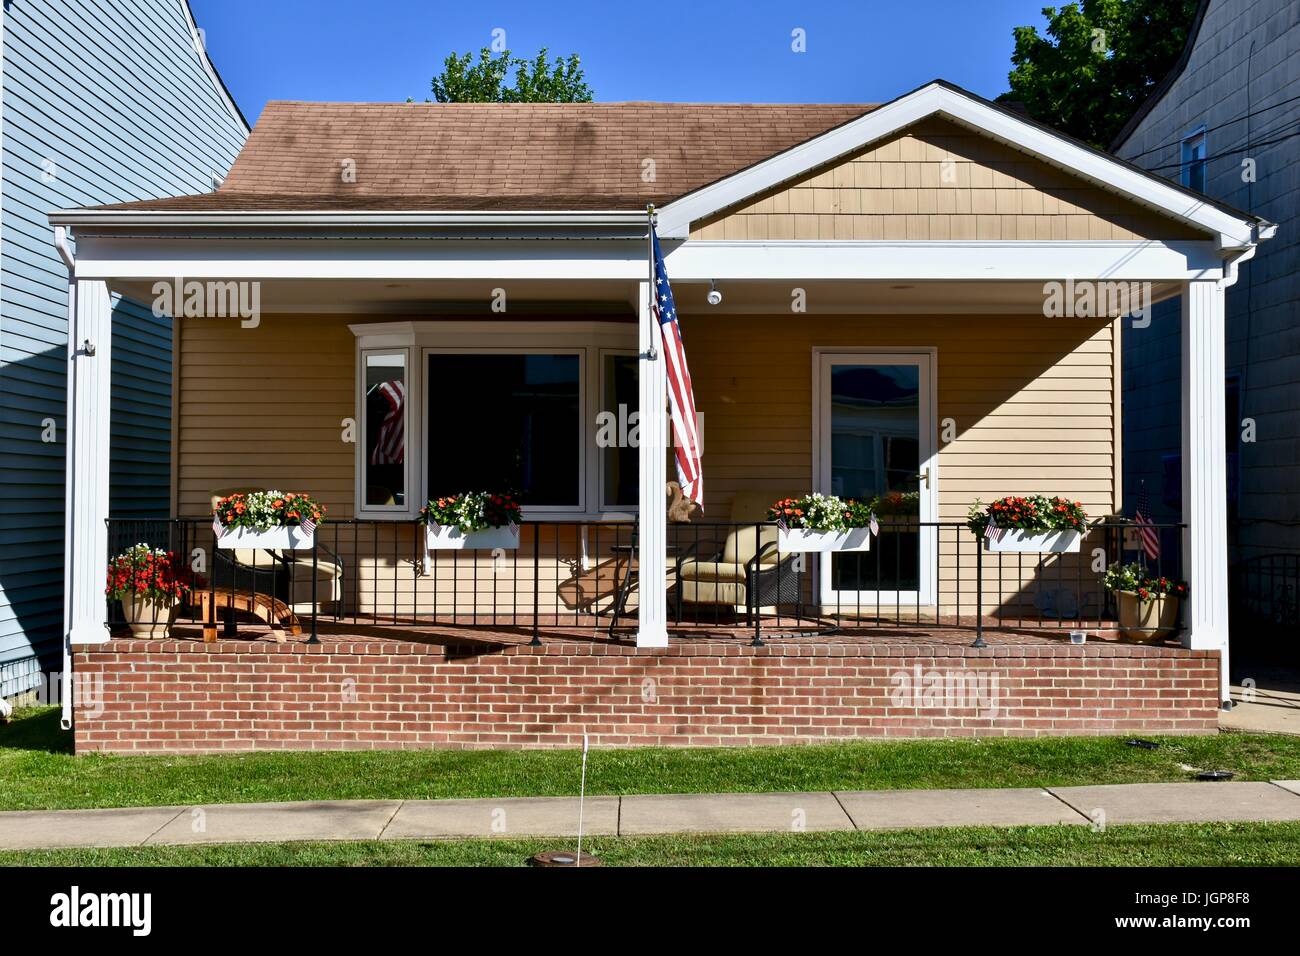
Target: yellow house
x=387, y=303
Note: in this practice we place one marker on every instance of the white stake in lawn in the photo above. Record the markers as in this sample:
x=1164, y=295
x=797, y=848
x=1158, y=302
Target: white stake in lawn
x=582, y=793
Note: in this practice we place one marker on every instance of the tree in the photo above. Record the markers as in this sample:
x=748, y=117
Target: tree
x=1098, y=62
x=536, y=80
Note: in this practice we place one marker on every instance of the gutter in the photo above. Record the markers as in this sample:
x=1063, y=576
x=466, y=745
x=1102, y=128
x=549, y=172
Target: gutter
x=65, y=690
x=1231, y=262
x=145, y=217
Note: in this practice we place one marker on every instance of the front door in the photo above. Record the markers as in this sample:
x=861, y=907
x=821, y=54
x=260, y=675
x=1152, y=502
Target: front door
x=875, y=440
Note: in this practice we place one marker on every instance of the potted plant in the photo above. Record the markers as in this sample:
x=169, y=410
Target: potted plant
x=1029, y=524
x=267, y=519
x=150, y=583
x=1148, y=606
x=819, y=522
x=471, y=520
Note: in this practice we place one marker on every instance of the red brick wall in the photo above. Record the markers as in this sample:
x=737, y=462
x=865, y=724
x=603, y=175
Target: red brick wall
x=187, y=696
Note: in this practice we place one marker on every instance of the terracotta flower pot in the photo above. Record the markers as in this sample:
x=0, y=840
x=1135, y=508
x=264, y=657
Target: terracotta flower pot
x=1147, y=621
x=147, y=618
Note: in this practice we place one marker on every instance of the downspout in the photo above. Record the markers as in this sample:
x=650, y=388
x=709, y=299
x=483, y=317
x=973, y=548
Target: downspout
x=69, y=260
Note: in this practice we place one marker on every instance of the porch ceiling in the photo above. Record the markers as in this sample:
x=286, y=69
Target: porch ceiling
x=618, y=297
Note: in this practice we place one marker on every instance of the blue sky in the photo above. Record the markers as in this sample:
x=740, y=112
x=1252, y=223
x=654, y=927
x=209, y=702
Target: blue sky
x=705, y=51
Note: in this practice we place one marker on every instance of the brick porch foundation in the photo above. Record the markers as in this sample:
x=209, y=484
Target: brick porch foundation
x=181, y=695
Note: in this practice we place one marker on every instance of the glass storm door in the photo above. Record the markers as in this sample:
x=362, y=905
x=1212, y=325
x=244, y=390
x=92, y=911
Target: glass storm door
x=875, y=441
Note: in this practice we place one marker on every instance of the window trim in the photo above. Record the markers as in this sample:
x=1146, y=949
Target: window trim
x=589, y=339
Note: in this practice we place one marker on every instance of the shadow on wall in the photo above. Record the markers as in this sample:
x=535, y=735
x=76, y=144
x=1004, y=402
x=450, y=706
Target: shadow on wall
x=33, y=440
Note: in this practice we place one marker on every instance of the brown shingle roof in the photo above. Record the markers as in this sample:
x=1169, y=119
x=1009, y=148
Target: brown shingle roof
x=485, y=156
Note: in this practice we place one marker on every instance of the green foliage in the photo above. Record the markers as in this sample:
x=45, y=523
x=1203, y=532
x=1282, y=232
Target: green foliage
x=1134, y=579
x=1088, y=83
x=535, y=81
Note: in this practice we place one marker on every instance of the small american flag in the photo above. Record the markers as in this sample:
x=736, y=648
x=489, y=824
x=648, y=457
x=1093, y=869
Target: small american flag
x=391, y=442
x=308, y=525
x=992, y=532
x=681, y=397
x=1148, y=532
x=217, y=527
x=874, y=526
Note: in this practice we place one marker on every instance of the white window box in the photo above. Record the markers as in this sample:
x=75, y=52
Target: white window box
x=805, y=539
x=448, y=538
x=1014, y=541
x=289, y=537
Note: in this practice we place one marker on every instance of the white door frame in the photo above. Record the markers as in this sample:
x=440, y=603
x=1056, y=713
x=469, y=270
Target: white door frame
x=926, y=358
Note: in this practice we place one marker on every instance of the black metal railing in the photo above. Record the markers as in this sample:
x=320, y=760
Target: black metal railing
x=583, y=577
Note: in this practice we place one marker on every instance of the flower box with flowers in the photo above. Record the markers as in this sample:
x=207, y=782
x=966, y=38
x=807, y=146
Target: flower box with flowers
x=821, y=523
x=267, y=519
x=1147, y=606
x=150, y=583
x=474, y=520
x=1029, y=524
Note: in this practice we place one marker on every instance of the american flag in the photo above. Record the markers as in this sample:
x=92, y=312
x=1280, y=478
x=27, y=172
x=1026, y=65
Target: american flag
x=681, y=398
x=1146, y=530
x=217, y=527
x=391, y=441
x=307, y=525
x=992, y=532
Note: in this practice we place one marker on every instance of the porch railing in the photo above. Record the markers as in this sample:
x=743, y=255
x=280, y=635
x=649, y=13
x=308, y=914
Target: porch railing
x=581, y=577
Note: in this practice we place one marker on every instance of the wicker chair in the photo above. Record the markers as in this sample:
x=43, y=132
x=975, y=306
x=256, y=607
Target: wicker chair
x=744, y=573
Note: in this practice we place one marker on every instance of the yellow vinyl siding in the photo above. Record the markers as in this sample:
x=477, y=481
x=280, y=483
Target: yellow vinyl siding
x=937, y=180
x=1032, y=400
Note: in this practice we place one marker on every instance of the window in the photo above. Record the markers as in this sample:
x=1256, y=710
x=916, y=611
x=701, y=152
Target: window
x=384, y=412
x=506, y=422
x=543, y=409
x=616, y=427
x=1193, y=160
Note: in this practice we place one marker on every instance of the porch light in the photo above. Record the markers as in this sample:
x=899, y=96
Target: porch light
x=714, y=296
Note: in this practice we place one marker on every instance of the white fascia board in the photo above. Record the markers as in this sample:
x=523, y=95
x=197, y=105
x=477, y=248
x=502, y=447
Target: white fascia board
x=306, y=218
x=694, y=260
x=934, y=100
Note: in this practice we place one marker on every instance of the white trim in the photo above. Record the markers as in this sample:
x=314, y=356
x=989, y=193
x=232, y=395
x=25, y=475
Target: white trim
x=1205, y=472
x=90, y=339
x=609, y=510
x=652, y=518
x=622, y=260
x=936, y=99
x=261, y=218
x=926, y=358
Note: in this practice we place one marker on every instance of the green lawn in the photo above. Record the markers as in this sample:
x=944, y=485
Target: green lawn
x=39, y=771
x=1218, y=844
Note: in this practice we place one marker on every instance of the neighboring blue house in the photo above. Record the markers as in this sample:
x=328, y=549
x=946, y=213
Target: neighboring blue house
x=1225, y=122
x=103, y=102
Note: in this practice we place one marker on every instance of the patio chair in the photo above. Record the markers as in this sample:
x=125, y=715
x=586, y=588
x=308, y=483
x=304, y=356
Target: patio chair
x=286, y=575
x=744, y=573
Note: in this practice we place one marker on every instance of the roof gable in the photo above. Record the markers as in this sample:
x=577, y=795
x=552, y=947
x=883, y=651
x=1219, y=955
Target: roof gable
x=936, y=180
x=1229, y=227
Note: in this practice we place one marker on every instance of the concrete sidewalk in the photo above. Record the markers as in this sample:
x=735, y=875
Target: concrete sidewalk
x=650, y=814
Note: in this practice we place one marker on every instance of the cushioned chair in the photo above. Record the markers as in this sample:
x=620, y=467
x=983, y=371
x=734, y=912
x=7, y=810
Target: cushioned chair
x=284, y=574
x=742, y=571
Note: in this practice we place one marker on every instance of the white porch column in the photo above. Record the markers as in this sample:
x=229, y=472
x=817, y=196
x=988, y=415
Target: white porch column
x=1204, y=471
x=652, y=522
x=90, y=339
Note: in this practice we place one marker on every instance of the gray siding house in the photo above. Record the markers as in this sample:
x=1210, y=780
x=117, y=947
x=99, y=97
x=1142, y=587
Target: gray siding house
x=104, y=101
x=1226, y=121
